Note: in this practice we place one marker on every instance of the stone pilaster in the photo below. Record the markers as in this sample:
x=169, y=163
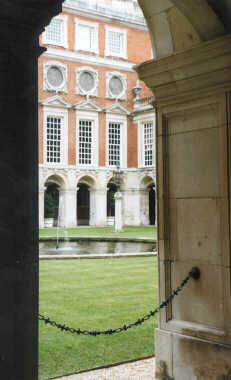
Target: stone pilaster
x=41, y=206
x=118, y=212
x=100, y=207
x=21, y=24
x=191, y=88
x=131, y=204
x=68, y=207
x=144, y=207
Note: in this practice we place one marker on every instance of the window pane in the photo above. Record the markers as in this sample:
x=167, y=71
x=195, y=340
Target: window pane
x=115, y=42
x=114, y=143
x=85, y=37
x=85, y=138
x=53, y=139
x=54, y=31
x=148, y=144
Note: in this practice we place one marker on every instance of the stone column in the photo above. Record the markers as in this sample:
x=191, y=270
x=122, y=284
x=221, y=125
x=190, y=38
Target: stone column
x=41, y=206
x=193, y=163
x=19, y=51
x=67, y=206
x=144, y=207
x=77, y=189
x=101, y=207
x=118, y=212
x=92, y=207
x=156, y=208
x=131, y=207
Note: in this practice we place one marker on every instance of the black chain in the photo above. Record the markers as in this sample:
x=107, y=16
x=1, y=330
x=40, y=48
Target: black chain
x=194, y=273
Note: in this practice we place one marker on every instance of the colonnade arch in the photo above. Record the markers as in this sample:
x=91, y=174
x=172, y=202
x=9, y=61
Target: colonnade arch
x=86, y=202
x=111, y=190
x=97, y=205
x=148, y=201
x=53, y=202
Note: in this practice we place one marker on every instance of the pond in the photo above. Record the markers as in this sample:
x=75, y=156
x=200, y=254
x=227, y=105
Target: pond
x=94, y=247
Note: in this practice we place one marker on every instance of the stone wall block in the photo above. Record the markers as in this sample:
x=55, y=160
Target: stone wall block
x=198, y=221
x=202, y=301
x=164, y=353
x=202, y=360
x=194, y=164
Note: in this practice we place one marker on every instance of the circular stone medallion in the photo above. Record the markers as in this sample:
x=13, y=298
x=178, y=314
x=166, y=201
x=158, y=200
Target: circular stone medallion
x=54, y=76
x=86, y=81
x=116, y=86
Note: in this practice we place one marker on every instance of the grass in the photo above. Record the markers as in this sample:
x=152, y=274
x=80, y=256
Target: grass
x=128, y=231
x=95, y=294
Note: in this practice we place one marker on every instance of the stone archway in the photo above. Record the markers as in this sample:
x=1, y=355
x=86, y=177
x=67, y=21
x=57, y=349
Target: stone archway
x=202, y=79
x=111, y=190
x=22, y=25
x=54, y=206
x=147, y=201
x=152, y=205
x=51, y=205
x=176, y=26
x=83, y=205
x=86, y=202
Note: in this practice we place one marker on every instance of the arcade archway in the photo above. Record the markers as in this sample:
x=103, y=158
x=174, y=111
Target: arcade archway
x=83, y=205
x=53, y=207
x=86, y=204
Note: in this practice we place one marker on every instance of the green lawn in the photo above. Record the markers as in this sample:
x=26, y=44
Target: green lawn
x=95, y=294
x=128, y=231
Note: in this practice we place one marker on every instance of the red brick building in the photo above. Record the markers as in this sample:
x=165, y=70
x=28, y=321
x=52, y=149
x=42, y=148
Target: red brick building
x=95, y=116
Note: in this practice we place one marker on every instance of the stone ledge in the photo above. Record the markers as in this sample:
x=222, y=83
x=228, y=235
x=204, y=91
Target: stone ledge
x=99, y=256
x=98, y=238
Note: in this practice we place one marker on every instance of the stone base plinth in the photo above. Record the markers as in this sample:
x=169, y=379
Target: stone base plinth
x=188, y=358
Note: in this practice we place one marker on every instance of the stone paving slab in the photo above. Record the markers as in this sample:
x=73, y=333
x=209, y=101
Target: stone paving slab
x=137, y=370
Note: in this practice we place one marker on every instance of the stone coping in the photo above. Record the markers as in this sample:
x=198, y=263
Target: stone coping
x=98, y=238
x=98, y=256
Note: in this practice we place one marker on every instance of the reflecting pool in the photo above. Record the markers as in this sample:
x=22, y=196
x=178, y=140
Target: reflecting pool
x=93, y=247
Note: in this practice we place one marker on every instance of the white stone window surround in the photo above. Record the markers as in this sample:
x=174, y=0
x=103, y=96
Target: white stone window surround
x=123, y=42
x=64, y=33
x=63, y=115
x=63, y=68
x=81, y=91
x=93, y=117
x=142, y=120
x=120, y=119
x=123, y=78
x=94, y=38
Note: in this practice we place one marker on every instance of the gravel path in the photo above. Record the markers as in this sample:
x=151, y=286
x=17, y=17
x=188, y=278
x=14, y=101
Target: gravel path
x=138, y=370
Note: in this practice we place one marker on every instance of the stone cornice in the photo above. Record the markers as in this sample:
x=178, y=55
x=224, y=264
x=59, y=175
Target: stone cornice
x=53, y=52
x=105, y=13
x=206, y=66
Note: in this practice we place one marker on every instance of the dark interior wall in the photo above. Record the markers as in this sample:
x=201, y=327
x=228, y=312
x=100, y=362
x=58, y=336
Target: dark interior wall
x=223, y=10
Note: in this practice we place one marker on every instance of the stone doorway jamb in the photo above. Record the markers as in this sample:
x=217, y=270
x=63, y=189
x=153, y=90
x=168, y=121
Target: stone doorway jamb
x=192, y=91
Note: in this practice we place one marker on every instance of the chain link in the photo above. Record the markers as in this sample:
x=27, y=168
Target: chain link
x=194, y=273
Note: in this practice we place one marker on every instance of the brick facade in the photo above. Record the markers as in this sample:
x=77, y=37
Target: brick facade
x=138, y=49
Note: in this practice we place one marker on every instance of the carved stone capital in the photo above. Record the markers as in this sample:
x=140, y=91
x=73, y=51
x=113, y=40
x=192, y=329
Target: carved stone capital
x=202, y=70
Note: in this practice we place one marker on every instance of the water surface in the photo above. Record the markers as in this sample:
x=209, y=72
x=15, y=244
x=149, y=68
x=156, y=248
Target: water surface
x=93, y=247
